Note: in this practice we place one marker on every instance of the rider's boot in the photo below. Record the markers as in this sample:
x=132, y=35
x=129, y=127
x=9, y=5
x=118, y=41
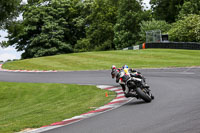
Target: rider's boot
x=146, y=85
x=130, y=95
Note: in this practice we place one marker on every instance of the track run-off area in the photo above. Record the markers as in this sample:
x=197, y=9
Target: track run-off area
x=176, y=108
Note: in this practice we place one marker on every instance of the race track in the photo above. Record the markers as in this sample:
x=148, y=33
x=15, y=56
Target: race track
x=176, y=108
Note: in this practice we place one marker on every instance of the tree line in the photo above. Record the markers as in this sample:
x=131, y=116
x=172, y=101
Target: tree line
x=51, y=27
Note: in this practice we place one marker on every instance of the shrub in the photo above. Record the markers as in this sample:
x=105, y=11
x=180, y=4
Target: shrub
x=186, y=29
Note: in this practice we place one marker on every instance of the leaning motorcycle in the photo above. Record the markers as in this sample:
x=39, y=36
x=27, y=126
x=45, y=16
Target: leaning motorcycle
x=133, y=86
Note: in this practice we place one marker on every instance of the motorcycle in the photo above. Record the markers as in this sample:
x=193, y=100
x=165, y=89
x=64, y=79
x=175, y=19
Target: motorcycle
x=133, y=86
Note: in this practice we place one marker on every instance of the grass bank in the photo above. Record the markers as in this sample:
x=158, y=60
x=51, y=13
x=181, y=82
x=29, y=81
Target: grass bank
x=32, y=105
x=148, y=58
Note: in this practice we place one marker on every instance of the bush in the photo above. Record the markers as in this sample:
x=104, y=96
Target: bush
x=107, y=45
x=82, y=45
x=186, y=29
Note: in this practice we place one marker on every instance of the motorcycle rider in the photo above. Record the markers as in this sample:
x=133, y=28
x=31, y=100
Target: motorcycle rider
x=133, y=73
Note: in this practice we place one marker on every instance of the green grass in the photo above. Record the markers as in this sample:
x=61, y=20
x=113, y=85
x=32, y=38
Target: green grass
x=148, y=58
x=32, y=105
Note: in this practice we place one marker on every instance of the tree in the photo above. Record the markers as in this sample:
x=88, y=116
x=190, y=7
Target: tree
x=99, y=26
x=186, y=29
x=152, y=25
x=189, y=7
x=48, y=28
x=129, y=16
x=8, y=10
x=167, y=10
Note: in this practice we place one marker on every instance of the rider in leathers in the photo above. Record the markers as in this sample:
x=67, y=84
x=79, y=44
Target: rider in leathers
x=133, y=73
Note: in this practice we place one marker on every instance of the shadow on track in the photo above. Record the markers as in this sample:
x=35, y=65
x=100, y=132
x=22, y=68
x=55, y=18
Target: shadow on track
x=136, y=102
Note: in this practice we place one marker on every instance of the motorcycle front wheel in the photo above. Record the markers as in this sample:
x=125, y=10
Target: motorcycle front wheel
x=143, y=95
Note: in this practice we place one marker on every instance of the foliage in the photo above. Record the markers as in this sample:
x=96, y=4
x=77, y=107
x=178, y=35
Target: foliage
x=99, y=26
x=127, y=25
x=186, y=29
x=153, y=25
x=47, y=29
x=189, y=7
x=82, y=45
x=167, y=10
x=52, y=27
x=8, y=10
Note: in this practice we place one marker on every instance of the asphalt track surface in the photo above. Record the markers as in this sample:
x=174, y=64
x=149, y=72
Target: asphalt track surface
x=176, y=108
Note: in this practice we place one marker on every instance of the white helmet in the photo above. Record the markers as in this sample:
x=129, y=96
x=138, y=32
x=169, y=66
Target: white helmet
x=113, y=67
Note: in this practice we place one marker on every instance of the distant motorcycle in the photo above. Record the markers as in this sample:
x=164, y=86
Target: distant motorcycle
x=134, y=87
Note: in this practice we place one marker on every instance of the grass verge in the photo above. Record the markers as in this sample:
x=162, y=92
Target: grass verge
x=32, y=105
x=148, y=58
